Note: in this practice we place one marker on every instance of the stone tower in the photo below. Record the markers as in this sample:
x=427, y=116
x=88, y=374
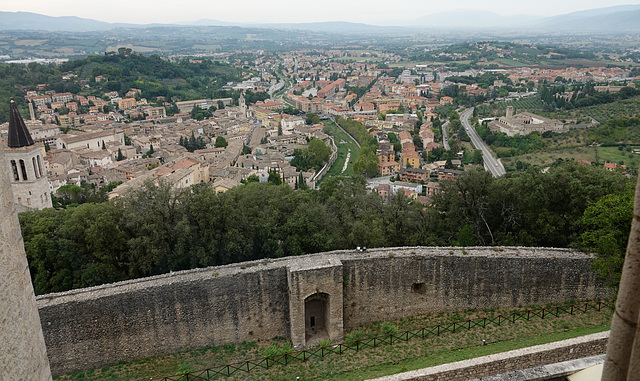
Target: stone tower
x=509, y=111
x=243, y=104
x=32, y=113
x=23, y=355
x=27, y=174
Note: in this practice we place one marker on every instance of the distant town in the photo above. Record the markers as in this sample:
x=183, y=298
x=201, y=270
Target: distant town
x=121, y=137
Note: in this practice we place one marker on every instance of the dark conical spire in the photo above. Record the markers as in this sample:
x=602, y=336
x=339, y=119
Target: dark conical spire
x=19, y=136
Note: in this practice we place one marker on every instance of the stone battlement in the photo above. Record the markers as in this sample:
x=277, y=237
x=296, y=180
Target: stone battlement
x=302, y=298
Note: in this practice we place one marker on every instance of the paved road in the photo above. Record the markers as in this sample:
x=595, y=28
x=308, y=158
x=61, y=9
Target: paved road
x=445, y=138
x=257, y=133
x=491, y=164
x=274, y=88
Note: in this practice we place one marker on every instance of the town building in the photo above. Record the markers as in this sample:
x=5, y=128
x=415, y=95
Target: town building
x=525, y=123
x=414, y=174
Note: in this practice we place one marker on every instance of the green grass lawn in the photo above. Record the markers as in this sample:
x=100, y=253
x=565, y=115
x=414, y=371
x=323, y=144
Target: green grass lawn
x=445, y=357
x=345, y=144
x=372, y=362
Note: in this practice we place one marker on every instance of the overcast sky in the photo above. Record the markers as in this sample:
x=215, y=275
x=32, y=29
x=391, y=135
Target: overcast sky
x=367, y=11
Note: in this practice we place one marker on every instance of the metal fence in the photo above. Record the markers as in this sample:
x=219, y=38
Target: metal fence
x=347, y=346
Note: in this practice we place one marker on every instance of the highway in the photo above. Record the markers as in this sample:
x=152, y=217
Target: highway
x=491, y=163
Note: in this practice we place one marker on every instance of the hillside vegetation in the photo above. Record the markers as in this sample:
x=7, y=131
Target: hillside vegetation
x=155, y=230
x=152, y=75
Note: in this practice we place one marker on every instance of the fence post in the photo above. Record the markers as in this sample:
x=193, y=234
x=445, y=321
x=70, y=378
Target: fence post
x=513, y=316
x=247, y=366
x=499, y=319
x=285, y=358
x=484, y=322
x=599, y=304
x=543, y=310
x=228, y=371
x=454, y=327
x=422, y=333
x=322, y=352
x=468, y=329
x=571, y=312
x=438, y=329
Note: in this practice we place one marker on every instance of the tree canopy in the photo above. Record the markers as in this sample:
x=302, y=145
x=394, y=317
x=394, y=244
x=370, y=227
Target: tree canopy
x=155, y=229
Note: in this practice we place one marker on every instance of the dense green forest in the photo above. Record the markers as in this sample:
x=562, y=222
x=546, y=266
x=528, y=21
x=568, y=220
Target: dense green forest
x=151, y=74
x=584, y=95
x=155, y=230
x=14, y=76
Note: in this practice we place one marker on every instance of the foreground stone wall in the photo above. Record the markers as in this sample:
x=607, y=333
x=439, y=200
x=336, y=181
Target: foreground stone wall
x=104, y=325
x=406, y=282
x=135, y=319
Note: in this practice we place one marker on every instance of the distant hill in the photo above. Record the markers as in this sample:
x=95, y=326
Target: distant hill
x=327, y=27
x=35, y=21
x=332, y=27
x=611, y=19
x=207, y=22
x=471, y=19
x=619, y=19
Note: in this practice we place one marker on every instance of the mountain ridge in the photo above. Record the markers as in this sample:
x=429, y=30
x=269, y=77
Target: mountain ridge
x=616, y=18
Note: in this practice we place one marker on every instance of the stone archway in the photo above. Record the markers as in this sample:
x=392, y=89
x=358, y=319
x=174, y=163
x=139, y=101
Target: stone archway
x=316, y=318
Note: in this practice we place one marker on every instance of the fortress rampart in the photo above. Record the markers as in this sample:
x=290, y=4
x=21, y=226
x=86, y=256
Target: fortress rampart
x=305, y=299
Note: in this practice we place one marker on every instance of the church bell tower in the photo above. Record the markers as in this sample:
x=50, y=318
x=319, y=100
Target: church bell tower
x=24, y=160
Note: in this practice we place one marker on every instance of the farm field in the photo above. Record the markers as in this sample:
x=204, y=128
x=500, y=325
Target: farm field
x=591, y=154
x=602, y=113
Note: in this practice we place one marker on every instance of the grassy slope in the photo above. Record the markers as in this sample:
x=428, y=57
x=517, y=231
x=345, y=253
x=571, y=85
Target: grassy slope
x=344, y=143
x=605, y=154
x=386, y=359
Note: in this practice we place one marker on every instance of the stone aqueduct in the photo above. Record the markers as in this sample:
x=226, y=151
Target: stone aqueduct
x=306, y=299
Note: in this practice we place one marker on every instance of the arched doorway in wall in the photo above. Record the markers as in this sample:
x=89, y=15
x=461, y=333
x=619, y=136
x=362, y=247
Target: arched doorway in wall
x=316, y=318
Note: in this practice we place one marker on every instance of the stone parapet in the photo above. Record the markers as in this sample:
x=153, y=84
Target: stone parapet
x=300, y=298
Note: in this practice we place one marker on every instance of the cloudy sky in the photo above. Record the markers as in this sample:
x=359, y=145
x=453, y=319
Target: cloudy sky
x=367, y=11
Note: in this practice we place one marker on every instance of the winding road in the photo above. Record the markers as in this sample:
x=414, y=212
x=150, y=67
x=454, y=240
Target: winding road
x=491, y=163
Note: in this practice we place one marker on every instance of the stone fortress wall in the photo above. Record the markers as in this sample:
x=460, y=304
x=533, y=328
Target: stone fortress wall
x=304, y=299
